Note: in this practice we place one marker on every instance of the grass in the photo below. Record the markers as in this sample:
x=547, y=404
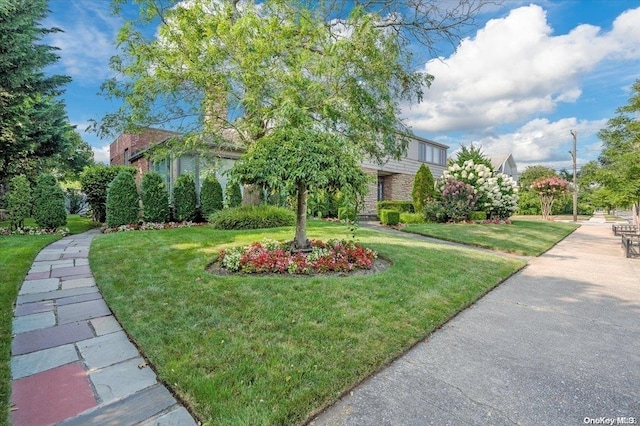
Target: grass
x=16, y=255
x=562, y=217
x=525, y=237
x=276, y=350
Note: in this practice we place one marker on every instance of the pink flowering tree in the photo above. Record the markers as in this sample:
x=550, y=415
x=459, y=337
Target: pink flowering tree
x=548, y=189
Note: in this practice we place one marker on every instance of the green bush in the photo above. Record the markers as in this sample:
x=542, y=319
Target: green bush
x=185, y=199
x=411, y=218
x=434, y=211
x=347, y=213
x=155, y=198
x=478, y=215
x=211, y=199
x=94, y=181
x=401, y=206
x=49, y=211
x=252, y=217
x=123, y=205
x=18, y=201
x=423, y=187
x=233, y=195
x=389, y=217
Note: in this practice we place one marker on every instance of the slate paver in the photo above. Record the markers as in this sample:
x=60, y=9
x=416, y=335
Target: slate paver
x=37, y=362
x=46, y=338
x=40, y=267
x=70, y=271
x=52, y=295
x=100, y=352
x=48, y=255
x=105, y=325
x=82, y=311
x=80, y=298
x=80, y=282
x=177, y=416
x=122, y=379
x=39, y=286
x=75, y=277
x=51, y=396
x=33, y=322
x=34, y=308
x=37, y=275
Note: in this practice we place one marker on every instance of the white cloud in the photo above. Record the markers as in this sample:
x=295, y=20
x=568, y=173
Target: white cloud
x=88, y=40
x=514, y=68
x=101, y=154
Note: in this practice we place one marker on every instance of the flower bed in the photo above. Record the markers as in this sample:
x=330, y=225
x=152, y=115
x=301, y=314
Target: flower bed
x=149, y=225
x=27, y=230
x=271, y=256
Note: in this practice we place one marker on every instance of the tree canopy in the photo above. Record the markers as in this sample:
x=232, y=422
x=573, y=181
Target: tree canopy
x=33, y=122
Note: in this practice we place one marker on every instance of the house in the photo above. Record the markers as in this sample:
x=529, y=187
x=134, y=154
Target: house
x=505, y=164
x=390, y=181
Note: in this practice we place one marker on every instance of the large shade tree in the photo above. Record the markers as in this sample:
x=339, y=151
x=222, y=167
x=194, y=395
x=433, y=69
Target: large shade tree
x=329, y=69
x=33, y=122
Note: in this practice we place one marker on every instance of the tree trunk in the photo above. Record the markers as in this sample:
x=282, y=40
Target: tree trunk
x=636, y=214
x=300, y=241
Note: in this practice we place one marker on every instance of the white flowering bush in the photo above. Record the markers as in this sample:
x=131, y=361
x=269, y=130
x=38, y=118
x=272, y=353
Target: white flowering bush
x=497, y=193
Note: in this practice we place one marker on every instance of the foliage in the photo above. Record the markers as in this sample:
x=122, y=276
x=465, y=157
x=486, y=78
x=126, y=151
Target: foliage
x=497, y=193
x=33, y=123
x=411, y=218
x=185, y=198
x=211, y=199
x=473, y=154
x=389, y=217
x=548, y=189
x=271, y=256
x=458, y=200
x=94, y=181
x=533, y=173
x=423, y=187
x=122, y=200
x=434, y=211
x=347, y=213
x=478, y=215
x=18, y=201
x=49, y=211
x=323, y=203
x=233, y=195
x=399, y=205
x=252, y=217
x=76, y=201
x=155, y=198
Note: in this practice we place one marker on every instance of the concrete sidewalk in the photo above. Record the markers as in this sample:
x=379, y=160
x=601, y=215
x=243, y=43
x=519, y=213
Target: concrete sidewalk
x=71, y=362
x=558, y=343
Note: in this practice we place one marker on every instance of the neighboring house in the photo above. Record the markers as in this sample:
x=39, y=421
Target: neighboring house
x=505, y=164
x=390, y=181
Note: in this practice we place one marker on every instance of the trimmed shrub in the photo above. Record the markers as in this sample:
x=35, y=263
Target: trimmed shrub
x=155, y=198
x=123, y=207
x=389, y=217
x=252, y=217
x=211, y=199
x=185, y=199
x=95, y=181
x=478, y=215
x=49, y=211
x=18, y=201
x=347, y=213
x=423, y=187
x=233, y=195
x=401, y=206
x=411, y=218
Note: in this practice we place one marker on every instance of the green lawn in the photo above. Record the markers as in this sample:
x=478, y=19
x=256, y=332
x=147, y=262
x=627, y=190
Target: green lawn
x=525, y=237
x=16, y=255
x=275, y=350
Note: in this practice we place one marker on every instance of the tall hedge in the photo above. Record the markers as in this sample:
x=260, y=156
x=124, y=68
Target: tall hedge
x=185, y=198
x=18, y=201
x=234, y=195
x=423, y=187
x=155, y=198
x=49, y=210
x=210, y=196
x=94, y=181
x=122, y=200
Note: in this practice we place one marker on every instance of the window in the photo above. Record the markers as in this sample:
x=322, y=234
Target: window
x=380, y=188
x=126, y=156
x=427, y=152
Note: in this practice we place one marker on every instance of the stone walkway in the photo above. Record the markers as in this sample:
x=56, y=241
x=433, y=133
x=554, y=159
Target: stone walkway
x=71, y=362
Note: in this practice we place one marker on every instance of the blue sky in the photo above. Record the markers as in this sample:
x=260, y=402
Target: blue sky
x=527, y=74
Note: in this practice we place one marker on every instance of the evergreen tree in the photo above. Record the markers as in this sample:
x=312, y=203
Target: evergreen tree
x=33, y=123
x=49, y=211
x=233, y=195
x=95, y=181
x=423, y=188
x=185, y=199
x=472, y=153
x=155, y=198
x=211, y=199
x=19, y=201
x=122, y=200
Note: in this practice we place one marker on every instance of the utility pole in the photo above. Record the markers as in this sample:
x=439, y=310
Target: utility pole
x=575, y=180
